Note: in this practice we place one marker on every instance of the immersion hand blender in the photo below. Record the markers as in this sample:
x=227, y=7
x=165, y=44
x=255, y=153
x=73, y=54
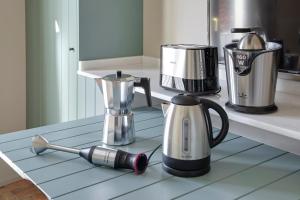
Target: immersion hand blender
x=98, y=155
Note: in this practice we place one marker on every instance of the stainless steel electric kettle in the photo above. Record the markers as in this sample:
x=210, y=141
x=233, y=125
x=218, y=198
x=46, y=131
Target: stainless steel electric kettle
x=188, y=135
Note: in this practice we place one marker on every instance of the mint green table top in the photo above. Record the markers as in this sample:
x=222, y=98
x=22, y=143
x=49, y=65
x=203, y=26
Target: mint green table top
x=240, y=168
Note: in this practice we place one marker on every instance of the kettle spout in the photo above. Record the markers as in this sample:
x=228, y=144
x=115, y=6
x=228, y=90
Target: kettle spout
x=164, y=107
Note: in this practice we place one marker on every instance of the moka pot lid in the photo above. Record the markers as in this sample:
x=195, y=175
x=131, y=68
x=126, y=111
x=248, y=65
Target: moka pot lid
x=119, y=76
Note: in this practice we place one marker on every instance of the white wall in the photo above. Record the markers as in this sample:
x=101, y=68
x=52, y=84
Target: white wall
x=12, y=75
x=12, y=66
x=152, y=27
x=174, y=21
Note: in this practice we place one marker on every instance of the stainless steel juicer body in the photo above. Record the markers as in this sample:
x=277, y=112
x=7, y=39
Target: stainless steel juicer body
x=251, y=71
x=118, y=94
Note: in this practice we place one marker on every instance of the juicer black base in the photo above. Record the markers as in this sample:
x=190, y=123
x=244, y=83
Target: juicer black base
x=252, y=110
x=186, y=168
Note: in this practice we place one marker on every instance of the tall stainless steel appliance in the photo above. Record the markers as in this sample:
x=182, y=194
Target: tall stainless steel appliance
x=280, y=19
x=118, y=94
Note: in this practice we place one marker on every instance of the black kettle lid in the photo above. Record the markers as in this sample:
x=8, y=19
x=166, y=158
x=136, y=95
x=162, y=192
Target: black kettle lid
x=185, y=100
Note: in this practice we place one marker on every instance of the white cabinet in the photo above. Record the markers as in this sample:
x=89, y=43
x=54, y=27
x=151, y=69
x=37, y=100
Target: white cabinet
x=108, y=29
x=52, y=61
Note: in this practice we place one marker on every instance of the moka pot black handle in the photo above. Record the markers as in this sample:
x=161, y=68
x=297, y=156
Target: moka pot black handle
x=145, y=84
x=208, y=104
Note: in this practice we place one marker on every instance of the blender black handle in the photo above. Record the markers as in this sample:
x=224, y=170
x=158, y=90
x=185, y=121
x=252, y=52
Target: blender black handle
x=208, y=104
x=145, y=84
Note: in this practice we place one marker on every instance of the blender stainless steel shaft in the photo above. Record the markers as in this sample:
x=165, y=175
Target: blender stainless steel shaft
x=97, y=155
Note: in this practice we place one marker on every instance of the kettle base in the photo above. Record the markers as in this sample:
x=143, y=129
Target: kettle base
x=252, y=110
x=181, y=173
x=186, y=168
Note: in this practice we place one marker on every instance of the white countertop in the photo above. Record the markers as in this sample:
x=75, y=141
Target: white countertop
x=285, y=122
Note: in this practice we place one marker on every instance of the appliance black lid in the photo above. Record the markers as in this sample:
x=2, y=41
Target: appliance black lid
x=119, y=76
x=184, y=100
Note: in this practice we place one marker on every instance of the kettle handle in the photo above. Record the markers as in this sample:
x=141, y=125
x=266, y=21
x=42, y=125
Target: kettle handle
x=208, y=104
x=145, y=84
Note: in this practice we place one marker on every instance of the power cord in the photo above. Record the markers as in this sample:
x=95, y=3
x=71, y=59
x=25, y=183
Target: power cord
x=151, y=154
